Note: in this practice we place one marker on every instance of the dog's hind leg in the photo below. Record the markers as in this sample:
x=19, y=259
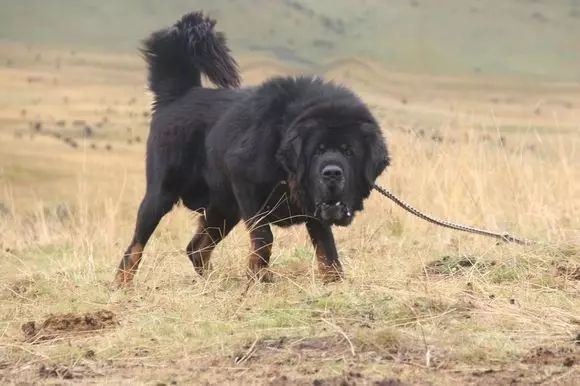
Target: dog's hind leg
x=152, y=209
x=213, y=228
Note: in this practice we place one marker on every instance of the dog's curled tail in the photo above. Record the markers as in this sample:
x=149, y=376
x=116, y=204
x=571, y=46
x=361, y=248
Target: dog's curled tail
x=177, y=56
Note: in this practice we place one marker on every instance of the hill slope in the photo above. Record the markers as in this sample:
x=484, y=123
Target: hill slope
x=524, y=37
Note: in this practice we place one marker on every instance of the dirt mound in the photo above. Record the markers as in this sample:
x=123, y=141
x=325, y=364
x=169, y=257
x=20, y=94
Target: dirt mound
x=568, y=270
x=454, y=265
x=78, y=371
x=553, y=356
x=58, y=326
x=22, y=288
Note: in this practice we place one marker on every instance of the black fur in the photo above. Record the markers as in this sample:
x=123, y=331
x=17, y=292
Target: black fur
x=293, y=150
x=177, y=57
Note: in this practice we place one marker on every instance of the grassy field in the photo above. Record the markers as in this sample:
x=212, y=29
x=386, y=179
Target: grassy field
x=420, y=305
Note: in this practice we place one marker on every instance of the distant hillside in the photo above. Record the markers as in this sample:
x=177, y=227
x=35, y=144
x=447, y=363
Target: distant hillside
x=529, y=38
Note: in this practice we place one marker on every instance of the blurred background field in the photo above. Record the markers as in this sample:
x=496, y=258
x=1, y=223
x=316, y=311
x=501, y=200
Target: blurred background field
x=480, y=104
x=531, y=38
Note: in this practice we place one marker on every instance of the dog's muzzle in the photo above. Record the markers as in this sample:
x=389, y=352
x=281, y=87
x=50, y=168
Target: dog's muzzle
x=334, y=213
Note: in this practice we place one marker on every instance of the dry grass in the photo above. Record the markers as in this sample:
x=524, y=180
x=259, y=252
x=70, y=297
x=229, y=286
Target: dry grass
x=419, y=304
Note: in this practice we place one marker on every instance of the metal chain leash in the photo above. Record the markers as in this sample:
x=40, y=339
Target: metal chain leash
x=506, y=237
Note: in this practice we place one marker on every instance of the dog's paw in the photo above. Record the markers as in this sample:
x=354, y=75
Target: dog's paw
x=264, y=275
x=122, y=280
x=331, y=274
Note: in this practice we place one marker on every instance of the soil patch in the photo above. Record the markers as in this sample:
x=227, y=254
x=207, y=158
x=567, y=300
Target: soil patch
x=23, y=288
x=567, y=270
x=78, y=371
x=553, y=356
x=58, y=326
x=317, y=348
x=353, y=379
x=454, y=265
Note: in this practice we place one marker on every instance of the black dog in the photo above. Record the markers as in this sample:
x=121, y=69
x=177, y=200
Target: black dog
x=293, y=150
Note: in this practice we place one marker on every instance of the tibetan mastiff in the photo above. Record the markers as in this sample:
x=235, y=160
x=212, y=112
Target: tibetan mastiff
x=293, y=150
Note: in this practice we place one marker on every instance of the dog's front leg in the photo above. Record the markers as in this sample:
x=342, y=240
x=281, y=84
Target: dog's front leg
x=323, y=241
x=262, y=239
x=250, y=204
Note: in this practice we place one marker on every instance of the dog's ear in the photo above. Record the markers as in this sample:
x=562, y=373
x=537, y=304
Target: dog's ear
x=378, y=157
x=290, y=152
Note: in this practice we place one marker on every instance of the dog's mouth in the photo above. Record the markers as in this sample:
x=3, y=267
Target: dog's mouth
x=334, y=212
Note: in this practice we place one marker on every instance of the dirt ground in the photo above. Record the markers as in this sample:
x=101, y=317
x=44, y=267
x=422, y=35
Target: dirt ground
x=291, y=361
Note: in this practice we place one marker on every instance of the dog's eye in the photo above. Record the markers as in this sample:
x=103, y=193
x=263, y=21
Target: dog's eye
x=346, y=150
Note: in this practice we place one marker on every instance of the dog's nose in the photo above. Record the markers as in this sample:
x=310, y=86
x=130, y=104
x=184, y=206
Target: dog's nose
x=332, y=172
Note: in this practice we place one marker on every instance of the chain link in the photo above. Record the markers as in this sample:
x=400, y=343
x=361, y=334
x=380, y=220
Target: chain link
x=506, y=237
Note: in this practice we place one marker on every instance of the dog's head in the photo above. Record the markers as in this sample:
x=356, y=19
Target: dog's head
x=333, y=153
